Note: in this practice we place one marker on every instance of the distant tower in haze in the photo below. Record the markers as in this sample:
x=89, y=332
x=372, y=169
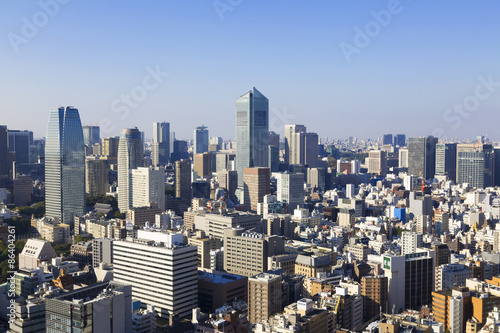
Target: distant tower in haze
x=130, y=156
x=252, y=132
x=64, y=166
x=160, y=149
x=200, y=140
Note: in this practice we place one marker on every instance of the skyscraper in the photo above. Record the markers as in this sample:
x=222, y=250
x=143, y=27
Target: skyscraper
x=202, y=165
x=130, y=156
x=387, y=139
x=200, y=140
x=160, y=149
x=290, y=188
x=294, y=143
x=446, y=160
x=311, y=149
x=148, y=186
x=476, y=165
x=19, y=142
x=399, y=140
x=377, y=163
x=4, y=151
x=252, y=132
x=422, y=156
x=183, y=179
x=64, y=166
x=91, y=135
x=256, y=186
x=96, y=176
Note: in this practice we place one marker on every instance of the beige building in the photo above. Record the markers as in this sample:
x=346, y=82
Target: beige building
x=256, y=185
x=55, y=232
x=202, y=165
x=264, y=296
x=140, y=215
x=96, y=176
x=246, y=253
x=35, y=252
x=310, y=266
x=204, y=245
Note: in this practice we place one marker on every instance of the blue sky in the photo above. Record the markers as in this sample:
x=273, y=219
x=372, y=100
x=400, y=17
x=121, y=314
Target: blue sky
x=428, y=56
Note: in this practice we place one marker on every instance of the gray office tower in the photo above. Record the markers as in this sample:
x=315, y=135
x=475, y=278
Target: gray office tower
x=200, y=140
x=4, y=151
x=91, y=135
x=387, y=139
x=19, y=142
x=160, y=149
x=476, y=165
x=252, y=132
x=399, y=140
x=422, y=156
x=64, y=166
x=446, y=160
x=130, y=156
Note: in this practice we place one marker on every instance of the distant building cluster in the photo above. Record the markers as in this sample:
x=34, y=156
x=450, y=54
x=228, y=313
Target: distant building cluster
x=257, y=234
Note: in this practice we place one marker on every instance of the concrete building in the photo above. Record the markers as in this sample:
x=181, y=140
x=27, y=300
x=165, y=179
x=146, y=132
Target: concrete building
x=374, y=292
x=377, y=162
x=410, y=279
x=316, y=177
x=476, y=165
x=35, y=252
x=228, y=180
x=215, y=224
x=217, y=289
x=102, y=307
x=446, y=160
x=310, y=266
x=23, y=190
x=256, y=186
x=411, y=241
x=202, y=165
x=148, y=186
x=138, y=216
x=290, y=188
x=160, y=148
x=102, y=251
x=205, y=245
x=159, y=268
x=246, y=253
x=264, y=296
x=96, y=176
x=450, y=275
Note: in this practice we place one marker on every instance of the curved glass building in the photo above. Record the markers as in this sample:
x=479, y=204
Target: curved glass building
x=64, y=166
x=130, y=156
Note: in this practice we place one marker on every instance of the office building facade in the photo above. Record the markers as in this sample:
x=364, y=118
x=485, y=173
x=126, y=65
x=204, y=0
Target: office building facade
x=130, y=156
x=64, y=166
x=252, y=132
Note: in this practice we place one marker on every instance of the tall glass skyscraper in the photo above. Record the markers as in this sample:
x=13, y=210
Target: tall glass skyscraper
x=64, y=166
x=252, y=132
x=130, y=156
x=200, y=140
x=422, y=156
x=91, y=135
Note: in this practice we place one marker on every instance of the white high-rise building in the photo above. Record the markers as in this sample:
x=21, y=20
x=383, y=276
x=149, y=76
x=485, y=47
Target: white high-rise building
x=355, y=167
x=411, y=241
x=456, y=314
x=290, y=188
x=130, y=156
x=148, y=186
x=162, y=274
x=160, y=148
x=64, y=166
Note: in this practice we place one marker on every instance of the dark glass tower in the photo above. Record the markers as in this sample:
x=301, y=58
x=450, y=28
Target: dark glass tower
x=64, y=166
x=252, y=132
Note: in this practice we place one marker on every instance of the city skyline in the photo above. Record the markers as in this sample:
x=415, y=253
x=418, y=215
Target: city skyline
x=411, y=69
